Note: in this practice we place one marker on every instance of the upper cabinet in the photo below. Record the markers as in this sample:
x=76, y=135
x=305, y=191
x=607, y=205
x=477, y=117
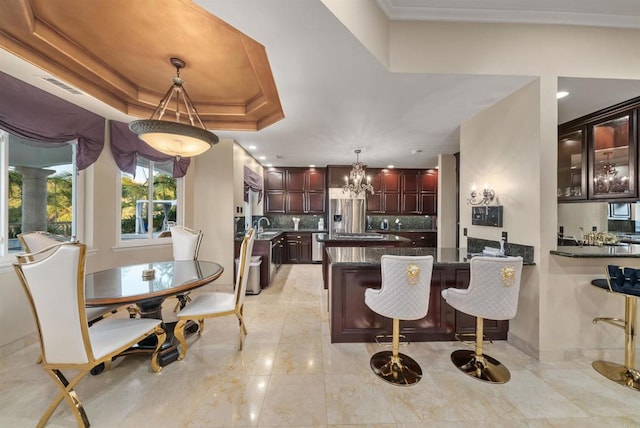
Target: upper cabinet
x=598, y=156
x=613, y=150
x=295, y=191
x=403, y=191
x=572, y=165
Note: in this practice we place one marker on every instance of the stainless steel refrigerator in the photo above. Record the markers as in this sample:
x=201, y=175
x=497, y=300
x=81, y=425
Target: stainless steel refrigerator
x=347, y=212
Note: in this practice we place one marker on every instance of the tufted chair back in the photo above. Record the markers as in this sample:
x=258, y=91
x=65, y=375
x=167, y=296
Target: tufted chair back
x=493, y=289
x=406, y=285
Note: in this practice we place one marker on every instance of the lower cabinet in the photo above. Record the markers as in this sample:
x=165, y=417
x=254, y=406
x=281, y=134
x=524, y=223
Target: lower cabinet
x=298, y=246
x=351, y=320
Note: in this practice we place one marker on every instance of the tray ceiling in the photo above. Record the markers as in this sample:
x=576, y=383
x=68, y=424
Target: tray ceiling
x=118, y=51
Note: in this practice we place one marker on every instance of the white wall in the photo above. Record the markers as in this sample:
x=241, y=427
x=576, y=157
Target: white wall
x=447, y=204
x=501, y=146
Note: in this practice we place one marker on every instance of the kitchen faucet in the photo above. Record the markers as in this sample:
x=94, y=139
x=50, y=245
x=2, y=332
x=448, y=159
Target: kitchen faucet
x=260, y=228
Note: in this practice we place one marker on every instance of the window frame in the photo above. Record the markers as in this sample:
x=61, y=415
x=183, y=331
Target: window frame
x=7, y=258
x=149, y=240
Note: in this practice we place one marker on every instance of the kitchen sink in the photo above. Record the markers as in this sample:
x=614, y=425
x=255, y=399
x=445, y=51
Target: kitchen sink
x=269, y=234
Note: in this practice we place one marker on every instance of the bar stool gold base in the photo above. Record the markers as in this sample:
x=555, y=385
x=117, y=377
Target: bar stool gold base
x=483, y=368
x=618, y=373
x=401, y=370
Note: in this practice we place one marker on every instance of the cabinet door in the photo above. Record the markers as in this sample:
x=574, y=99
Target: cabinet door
x=274, y=179
x=391, y=181
x=305, y=248
x=410, y=203
x=391, y=203
x=295, y=203
x=428, y=203
x=410, y=181
x=293, y=251
x=572, y=162
x=274, y=201
x=315, y=180
x=296, y=180
x=612, y=172
x=429, y=180
x=316, y=201
x=374, y=202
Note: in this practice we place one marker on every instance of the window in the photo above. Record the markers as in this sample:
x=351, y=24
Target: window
x=149, y=200
x=39, y=189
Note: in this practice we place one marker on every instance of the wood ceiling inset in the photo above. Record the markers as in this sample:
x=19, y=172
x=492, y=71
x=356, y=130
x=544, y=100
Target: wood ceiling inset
x=118, y=51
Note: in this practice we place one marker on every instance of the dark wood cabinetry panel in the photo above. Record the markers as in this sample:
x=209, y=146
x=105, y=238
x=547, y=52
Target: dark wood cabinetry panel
x=296, y=180
x=351, y=320
x=429, y=180
x=598, y=155
x=302, y=192
x=298, y=247
x=315, y=180
x=274, y=201
x=374, y=203
x=410, y=181
x=391, y=179
x=274, y=179
x=295, y=202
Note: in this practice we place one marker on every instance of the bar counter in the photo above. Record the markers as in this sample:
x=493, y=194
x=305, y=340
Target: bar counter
x=354, y=269
x=623, y=250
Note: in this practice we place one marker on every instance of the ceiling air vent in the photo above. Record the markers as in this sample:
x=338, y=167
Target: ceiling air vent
x=61, y=85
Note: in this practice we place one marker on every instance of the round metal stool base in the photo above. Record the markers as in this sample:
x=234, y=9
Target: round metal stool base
x=618, y=373
x=404, y=371
x=486, y=368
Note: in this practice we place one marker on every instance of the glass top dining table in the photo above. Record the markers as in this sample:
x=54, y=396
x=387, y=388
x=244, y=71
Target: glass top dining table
x=126, y=284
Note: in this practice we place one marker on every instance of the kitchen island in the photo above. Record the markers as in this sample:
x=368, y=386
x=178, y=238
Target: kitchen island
x=367, y=239
x=354, y=269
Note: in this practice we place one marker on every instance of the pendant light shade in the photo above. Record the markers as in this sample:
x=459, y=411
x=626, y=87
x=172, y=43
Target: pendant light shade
x=175, y=138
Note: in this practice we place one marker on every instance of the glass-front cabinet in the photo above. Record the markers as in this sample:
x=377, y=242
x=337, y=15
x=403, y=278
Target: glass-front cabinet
x=613, y=154
x=572, y=165
x=598, y=155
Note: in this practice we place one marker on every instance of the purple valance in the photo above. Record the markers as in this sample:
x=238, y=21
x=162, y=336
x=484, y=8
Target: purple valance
x=32, y=113
x=126, y=146
x=252, y=182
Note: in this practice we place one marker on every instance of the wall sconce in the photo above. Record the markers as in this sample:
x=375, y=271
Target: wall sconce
x=487, y=196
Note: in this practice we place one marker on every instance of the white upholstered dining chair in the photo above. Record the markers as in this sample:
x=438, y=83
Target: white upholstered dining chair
x=217, y=304
x=54, y=285
x=186, y=245
x=35, y=243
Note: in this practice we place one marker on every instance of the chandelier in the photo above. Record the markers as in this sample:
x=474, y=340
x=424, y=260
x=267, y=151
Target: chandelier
x=606, y=179
x=357, y=177
x=175, y=138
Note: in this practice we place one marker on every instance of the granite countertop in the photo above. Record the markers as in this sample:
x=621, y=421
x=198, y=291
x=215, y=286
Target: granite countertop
x=625, y=250
x=270, y=234
x=370, y=256
x=362, y=237
x=393, y=230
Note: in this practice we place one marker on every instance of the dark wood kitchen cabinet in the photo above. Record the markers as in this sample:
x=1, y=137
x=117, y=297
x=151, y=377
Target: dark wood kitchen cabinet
x=298, y=247
x=403, y=191
x=386, y=191
x=598, y=155
x=295, y=191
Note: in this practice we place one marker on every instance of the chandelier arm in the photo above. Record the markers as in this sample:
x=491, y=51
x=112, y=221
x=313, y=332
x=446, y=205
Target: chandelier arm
x=162, y=106
x=191, y=109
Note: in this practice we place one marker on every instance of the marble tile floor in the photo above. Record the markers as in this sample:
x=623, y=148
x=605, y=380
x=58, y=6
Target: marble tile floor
x=290, y=375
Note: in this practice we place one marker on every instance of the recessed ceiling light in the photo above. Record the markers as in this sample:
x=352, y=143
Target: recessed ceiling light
x=312, y=166
x=262, y=157
x=562, y=94
x=391, y=166
x=269, y=165
x=252, y=147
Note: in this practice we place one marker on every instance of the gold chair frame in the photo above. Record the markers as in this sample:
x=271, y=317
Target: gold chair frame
x=54, y=370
